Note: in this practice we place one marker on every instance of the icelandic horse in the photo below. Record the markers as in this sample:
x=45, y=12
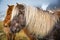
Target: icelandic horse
x=38, y=24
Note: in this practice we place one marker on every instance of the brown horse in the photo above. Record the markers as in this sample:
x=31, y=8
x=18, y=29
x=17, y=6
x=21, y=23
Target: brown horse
x=6, y=22
x=38, y=24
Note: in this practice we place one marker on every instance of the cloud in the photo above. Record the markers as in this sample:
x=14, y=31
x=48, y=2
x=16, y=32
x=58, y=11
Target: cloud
x=44, y=6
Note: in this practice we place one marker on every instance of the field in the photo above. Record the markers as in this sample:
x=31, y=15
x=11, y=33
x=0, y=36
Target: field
x=19, y=36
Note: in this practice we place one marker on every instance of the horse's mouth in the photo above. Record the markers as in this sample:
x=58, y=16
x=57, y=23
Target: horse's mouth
x=15, y=29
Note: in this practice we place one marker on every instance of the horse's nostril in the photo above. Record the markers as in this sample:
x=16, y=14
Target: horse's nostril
x=12, y=30
x=17, y=29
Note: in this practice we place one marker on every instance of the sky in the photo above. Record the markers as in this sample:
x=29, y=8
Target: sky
x=38, y=3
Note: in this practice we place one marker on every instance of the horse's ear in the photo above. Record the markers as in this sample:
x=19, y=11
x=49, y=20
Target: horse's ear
x=17, y=3
x=8, y=5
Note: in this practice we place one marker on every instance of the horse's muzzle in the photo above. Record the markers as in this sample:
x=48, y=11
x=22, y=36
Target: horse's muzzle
x=15, y=29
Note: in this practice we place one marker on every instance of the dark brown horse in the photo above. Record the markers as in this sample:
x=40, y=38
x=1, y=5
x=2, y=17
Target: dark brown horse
x=38, y=24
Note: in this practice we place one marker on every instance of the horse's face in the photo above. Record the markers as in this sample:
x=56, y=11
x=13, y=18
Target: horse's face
x=18, y=21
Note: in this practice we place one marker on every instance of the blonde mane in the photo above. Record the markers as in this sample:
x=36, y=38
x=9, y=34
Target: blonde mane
x=14, y=12
x=39, y=22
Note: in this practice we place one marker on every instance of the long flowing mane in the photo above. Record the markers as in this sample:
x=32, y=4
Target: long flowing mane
x=40, y=22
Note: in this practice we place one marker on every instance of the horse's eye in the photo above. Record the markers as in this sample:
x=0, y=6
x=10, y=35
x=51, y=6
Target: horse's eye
x=5, y=26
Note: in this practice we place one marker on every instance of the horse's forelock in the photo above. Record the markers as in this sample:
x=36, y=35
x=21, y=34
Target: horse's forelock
x=14, y=12
x=17, y=9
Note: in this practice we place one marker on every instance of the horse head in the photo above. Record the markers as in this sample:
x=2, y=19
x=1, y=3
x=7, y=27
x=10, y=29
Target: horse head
x=18, y=20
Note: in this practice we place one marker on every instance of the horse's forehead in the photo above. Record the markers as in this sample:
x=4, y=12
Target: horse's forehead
x=20, y=6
